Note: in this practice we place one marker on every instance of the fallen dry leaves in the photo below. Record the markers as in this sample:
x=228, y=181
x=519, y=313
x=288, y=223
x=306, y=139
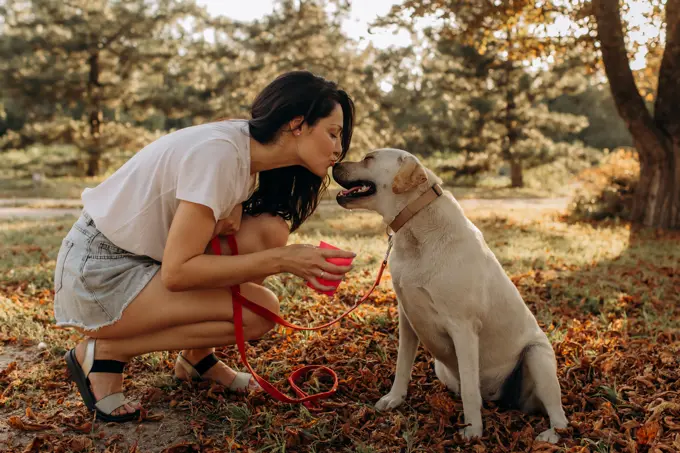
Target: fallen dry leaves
x=613, y=326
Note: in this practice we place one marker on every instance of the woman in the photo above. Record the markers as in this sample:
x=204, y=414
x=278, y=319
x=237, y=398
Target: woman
x=133, y=275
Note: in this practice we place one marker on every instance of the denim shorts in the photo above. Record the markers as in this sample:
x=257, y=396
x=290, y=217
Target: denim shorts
x=95, y=280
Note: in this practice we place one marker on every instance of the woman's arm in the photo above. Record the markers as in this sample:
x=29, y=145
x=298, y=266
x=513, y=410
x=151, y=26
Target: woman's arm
x=186, y=266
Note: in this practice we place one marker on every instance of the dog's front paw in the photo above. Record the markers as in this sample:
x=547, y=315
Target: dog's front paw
x=549, y=435
x=470, y=432
x=389, y=401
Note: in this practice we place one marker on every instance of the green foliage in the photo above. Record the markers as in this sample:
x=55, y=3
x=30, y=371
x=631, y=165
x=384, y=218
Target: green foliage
x=478, y=90
x=605, y=127
x=109, y=76
x=97, y=74
x=67, y=63
x=55, y=161
x=296, y=35
x=11, y=116
x=110, y=136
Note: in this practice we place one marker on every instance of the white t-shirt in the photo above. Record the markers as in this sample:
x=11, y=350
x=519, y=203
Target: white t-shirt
x=207, y=164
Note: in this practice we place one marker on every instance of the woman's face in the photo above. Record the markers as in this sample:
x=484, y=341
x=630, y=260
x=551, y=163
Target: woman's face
x=320, y=146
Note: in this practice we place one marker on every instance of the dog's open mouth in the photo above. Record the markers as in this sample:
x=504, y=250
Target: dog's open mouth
x=357, y=189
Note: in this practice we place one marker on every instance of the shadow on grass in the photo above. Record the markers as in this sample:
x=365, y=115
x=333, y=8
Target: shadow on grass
x=608, y=297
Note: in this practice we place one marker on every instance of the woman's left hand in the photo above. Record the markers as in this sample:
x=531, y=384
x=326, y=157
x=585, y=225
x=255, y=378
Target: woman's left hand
x=231, y=224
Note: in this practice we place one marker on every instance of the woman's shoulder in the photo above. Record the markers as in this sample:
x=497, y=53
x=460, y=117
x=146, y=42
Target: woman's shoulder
x=235, y=124
x=218, y=141
x=234, y=131
x=225, y=128
x=201, y=136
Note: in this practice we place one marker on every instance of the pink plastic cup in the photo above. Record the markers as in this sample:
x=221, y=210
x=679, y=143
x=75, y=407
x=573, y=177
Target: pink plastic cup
x=336, y=261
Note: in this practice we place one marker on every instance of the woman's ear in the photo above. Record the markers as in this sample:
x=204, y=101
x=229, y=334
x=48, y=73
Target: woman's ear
x=296, y=125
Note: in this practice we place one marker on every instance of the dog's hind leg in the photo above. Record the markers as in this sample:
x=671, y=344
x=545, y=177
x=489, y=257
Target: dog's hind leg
x=406, y=355
x=541, y=364
x=446, y=376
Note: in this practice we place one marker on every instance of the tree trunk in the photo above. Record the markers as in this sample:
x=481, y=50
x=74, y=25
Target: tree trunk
x=512, y=135
x=657, y=195
x=511, y=130
x=94, y=152
x=516, y=176
x=657, y=139
x=93, y=164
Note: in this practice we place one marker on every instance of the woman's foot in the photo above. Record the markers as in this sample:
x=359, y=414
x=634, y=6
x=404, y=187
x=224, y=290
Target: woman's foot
x=104, y=384
x=219, y=372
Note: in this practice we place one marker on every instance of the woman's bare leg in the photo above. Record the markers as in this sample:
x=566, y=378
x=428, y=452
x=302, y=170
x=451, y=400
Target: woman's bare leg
x=194, y=321
x=256, y=234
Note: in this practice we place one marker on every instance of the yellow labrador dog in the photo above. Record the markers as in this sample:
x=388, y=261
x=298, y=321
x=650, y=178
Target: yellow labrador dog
x=453, y=295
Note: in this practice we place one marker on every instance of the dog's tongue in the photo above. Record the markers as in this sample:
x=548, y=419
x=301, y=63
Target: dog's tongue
x=349, y=191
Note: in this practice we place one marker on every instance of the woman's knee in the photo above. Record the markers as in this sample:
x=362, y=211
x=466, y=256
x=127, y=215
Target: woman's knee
x=256, y=326
x=258, y=233
x=272, y=230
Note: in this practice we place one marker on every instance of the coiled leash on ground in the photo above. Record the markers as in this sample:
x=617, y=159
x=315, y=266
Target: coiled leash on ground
x=239, y=302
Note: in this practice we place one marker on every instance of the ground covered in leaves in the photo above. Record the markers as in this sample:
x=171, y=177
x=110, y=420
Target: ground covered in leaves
x=607, y=297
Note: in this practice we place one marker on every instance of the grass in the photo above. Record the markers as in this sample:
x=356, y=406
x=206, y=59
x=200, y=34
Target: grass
x=70, y=188
x=59, y=188
x=53, y=162
x=607, y=297
x=57, y=165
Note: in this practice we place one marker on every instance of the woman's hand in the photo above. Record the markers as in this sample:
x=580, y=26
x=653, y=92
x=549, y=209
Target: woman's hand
x=309, y=262
x=231, y=224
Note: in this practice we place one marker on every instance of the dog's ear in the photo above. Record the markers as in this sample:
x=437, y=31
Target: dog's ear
x=410, y=175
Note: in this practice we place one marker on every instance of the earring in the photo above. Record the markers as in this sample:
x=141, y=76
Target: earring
x=297, y=132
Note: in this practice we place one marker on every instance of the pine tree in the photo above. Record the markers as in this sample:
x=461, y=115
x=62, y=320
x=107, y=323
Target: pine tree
x=80, y=67
x=243, y=57
x=495, y=44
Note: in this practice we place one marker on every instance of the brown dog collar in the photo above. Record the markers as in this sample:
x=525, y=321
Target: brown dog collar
x=416, y=205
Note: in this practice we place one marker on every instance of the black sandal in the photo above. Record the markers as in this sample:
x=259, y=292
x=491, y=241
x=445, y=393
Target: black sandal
x=240, y=383
x=105, y=406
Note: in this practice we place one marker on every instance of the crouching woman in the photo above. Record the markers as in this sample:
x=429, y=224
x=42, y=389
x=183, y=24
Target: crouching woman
x=133, y=275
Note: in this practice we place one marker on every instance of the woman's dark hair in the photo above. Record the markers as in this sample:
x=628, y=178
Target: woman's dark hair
x=294, y=192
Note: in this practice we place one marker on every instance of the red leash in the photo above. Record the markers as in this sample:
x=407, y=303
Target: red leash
x=240, y=301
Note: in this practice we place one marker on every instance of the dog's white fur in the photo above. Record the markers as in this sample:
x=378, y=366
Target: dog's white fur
x=455, y=298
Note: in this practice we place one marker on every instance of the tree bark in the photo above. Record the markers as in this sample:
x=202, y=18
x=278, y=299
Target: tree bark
x=94, y=152
x=93, y=164
x=657, y=139
x=512, y=132
x=516, y=175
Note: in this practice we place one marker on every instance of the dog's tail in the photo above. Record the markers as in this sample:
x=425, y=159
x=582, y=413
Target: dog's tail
x=511, y=392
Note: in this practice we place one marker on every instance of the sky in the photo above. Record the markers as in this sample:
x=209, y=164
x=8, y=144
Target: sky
x=363, y=12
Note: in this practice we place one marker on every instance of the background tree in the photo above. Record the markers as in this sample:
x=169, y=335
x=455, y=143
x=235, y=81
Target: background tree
x=243, y=57
x=656, y=135
x=76, y=67
x=497, y=42
x=605, y=128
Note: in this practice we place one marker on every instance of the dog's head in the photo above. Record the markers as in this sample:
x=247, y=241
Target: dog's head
x=385, y=181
